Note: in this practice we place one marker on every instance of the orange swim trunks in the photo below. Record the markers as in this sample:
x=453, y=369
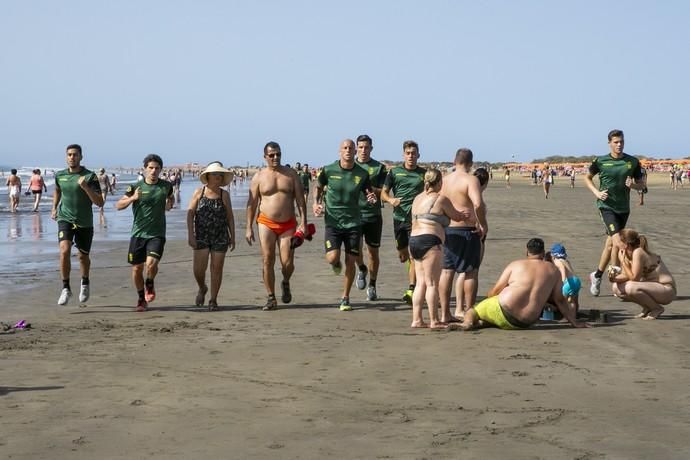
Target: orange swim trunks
x=277, y=227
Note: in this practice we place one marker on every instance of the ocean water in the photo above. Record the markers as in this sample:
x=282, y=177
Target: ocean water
x=28, y=240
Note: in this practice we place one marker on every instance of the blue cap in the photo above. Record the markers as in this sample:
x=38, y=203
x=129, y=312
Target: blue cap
x=558, y=251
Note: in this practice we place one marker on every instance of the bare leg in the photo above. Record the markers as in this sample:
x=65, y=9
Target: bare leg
x=138, y=277
x=430, y=275
x=605, y=254
x=151, y=267
x=217, y=264
x=460, y=305
x=470, y=321
x=199, y=264
x=65, y=262
x=287, y=261
x=268, y=251
x=470, y=289
x=84, y=264
x=418, y=298
x=349, y=274
x=445, y=287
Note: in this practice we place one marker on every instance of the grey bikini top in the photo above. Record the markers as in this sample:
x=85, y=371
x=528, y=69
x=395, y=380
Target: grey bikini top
x=440, y=219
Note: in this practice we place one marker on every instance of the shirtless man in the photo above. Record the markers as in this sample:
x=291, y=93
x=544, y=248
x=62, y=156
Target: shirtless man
x=518, y=297
x=14, y=189
x=274, y=191
x=104, y=183
x=463, y=245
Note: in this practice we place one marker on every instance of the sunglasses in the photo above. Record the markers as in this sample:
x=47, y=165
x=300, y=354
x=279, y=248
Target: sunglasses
x=273, y=155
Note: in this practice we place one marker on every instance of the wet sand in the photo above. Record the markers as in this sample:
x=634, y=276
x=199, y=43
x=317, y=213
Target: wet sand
x=309, y=381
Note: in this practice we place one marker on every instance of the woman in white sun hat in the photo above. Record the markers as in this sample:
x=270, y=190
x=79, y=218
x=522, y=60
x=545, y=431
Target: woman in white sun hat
x=211, y=229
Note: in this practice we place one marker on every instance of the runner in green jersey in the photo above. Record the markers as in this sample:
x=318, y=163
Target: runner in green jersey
x=618, y=173
x=343, y=182
x=150, y=198
x=76, y=189
x=402, y=185
x=372, y=222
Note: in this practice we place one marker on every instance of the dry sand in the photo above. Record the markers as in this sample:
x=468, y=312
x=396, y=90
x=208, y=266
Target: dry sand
x=308, y=381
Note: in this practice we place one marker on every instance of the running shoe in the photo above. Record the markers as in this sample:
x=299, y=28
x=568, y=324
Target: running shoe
x=345, y=304
x=361, y=279
x=371, y=293
x=595, y=284
x=337, y=267
x=407, y=296
x=84, y=293
x=141, y=305
x=149, y=293
x=64, y=296
x=286, y=295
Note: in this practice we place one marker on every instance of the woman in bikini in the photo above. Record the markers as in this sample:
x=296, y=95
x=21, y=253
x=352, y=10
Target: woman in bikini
x=547, y=174
x=644, y=278
x=37, y=186
x=210, y=230
x=431, y=214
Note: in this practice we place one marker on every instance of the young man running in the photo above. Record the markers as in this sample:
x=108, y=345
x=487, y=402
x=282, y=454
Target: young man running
x=618, y=173
x=402, y=185
x=76, y=189
x=337, y=193
x=150, y=199
x=372, y=222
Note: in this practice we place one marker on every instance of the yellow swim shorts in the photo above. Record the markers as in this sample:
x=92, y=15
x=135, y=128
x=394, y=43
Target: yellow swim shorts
x=490, y=311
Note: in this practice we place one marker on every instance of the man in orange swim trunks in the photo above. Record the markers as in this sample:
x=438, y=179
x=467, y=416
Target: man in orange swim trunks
x=274, y=192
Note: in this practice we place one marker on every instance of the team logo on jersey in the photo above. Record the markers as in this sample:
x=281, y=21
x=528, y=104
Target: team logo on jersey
x=357, y=180
x=629, y=164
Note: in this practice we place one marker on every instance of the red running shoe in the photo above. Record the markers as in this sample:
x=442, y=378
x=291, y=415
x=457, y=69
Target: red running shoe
x=141, y=305
x=149, y=293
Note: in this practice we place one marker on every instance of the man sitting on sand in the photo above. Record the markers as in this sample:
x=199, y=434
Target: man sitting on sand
x=517, y=299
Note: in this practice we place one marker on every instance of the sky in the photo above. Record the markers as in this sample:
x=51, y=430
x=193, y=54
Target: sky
x=197, y=81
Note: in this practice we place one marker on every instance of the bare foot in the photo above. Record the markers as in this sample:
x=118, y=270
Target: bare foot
x=438, y=326
x=643, y=314
x=200, y=296
x=654, y=314
x=419, y=324
x=213, y=305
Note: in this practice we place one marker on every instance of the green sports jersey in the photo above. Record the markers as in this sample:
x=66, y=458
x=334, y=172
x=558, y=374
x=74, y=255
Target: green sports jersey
x=612, y=174
x=343, y=188
x=406, y=185
x=75, y=204
x=305, y=178
x=377, y=176
x=149, y=209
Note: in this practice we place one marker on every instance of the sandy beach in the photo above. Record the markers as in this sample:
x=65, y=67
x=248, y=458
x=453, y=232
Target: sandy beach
x=309, y=381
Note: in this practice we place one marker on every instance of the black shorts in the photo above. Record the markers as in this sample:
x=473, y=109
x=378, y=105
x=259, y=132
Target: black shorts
x=141, y=248
x=613, y=221
x=420, y=245
x=371, y=232
x=462, y=250
x=82, y=237
x=401, y=231
x=37, y=192
x=350, y=237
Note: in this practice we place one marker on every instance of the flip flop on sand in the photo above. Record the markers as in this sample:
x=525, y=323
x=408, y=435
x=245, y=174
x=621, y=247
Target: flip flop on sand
x=271, y=303
x=213, y=305
x=200, y=296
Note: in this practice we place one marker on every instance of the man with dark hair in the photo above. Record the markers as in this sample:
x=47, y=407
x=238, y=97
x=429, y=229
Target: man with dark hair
x=76, y=189
x=337, y=194
x=372, y=221
x=618, y=173
x=150, y=199
x=305, y=179
x=14, y=189
x=518, y=297
x=402, y=185
x=274, y=192
x=462, y=249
